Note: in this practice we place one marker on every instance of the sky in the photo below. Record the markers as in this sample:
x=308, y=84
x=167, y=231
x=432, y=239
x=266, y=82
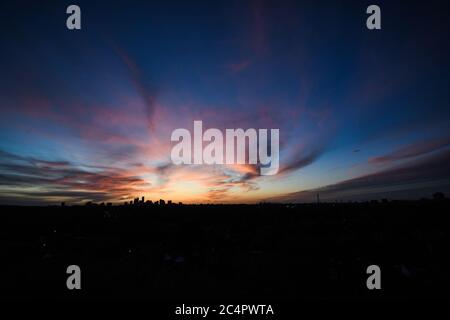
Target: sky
x=87, y=115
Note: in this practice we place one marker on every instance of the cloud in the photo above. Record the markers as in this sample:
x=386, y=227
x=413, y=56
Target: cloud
x=303, y=155
x=415, y=179
x=212, y=180
x=301, y=161
x=27, y=177
x=147, y=94
x=413, y=150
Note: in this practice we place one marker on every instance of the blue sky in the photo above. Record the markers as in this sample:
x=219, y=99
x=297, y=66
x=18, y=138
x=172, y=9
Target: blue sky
x=87, y=115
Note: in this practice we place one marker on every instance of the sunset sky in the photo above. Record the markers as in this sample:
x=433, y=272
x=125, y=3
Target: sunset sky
x=87, y=115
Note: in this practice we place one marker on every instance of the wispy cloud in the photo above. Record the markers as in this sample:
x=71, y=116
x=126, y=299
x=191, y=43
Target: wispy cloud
x=147, y=93
x=407, y=181
x=43, y=180
x=413, y=150
x=302, y=159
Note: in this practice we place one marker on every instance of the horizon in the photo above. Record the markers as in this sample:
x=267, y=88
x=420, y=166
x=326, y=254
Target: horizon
x=138, y=202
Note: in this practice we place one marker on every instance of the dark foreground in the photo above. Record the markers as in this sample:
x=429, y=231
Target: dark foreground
x=266, y=252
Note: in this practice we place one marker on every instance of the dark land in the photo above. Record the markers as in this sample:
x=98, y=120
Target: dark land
x=269, y=252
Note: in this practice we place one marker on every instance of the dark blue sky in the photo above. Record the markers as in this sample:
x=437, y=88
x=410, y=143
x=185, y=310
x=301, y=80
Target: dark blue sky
x=87, y=115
